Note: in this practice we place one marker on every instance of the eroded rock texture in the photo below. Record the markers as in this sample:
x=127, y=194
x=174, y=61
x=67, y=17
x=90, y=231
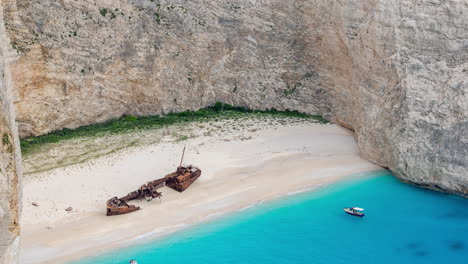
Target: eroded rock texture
x=394, y=71
x=10, y=161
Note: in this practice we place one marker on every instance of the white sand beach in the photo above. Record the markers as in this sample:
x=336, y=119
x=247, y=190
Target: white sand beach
x=237, y=171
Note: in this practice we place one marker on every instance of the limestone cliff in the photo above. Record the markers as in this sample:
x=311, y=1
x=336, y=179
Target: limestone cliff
x=394, y=71
x=10, y=161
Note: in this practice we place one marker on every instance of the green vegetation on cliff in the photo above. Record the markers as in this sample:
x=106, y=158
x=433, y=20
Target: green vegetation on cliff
x=130, y=123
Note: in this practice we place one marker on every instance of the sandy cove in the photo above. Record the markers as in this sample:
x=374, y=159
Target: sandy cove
x=236, y=173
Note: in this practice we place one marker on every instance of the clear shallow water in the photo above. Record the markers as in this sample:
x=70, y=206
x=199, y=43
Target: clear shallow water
x=403, y=224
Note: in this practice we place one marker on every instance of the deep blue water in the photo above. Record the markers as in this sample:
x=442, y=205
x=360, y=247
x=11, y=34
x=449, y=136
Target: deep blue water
x=403, y=224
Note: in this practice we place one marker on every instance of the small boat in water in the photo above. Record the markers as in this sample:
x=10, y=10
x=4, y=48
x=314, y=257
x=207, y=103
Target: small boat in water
x=356, y=211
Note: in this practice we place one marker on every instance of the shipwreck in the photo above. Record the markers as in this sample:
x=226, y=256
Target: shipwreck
x=179, y=180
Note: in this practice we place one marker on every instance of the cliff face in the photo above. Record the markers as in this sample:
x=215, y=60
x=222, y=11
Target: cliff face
x=394, y=71
x=10, y=161
x=429, y=143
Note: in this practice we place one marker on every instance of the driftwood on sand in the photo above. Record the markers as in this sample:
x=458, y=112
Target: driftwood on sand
x=179, y=180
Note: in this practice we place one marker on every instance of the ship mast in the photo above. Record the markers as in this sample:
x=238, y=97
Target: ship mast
x=183, y=152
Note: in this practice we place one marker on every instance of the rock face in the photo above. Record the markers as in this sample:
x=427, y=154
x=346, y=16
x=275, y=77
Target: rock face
x=394, y=71
x=10, y=161
x=428, y=133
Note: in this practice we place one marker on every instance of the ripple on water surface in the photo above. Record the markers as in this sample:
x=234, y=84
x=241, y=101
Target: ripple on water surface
x=403, y=224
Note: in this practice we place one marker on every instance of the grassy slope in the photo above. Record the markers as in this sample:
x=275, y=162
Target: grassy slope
x=131, y=123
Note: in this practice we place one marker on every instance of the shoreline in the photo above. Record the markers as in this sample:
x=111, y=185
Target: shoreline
x=164, y=232
x=236, y=174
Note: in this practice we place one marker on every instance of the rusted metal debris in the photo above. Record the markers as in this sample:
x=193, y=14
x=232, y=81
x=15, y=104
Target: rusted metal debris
x=116, y=206
x=182, y=178
x=179, y=180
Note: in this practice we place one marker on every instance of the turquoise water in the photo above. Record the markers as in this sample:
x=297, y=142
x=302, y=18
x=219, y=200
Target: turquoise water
x=403, y=224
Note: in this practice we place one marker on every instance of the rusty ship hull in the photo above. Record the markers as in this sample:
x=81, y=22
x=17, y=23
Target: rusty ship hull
x=121, y=210
x=180, y=181
x=116, y=206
